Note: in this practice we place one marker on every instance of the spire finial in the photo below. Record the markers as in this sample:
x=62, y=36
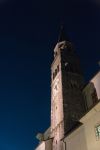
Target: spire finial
x=62, y=35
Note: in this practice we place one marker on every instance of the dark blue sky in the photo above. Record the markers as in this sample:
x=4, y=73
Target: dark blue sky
x=28, y=33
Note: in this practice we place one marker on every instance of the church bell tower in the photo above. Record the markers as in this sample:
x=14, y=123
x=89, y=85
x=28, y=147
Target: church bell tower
x=67, y=103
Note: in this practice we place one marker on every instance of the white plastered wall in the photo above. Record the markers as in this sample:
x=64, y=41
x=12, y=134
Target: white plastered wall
x=84, y=138
x=96, y=82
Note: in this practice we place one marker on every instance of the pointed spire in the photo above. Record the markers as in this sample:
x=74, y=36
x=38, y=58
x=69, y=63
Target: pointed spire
x=62, y=35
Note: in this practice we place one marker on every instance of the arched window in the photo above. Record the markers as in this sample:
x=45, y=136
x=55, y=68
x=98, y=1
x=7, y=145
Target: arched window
x=58, y=68
x=55, y=72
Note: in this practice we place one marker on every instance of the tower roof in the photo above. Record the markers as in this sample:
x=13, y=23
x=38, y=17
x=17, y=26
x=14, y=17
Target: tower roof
x=62, y=35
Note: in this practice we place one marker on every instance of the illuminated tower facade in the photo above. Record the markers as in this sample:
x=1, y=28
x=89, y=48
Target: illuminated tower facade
x=67, y=103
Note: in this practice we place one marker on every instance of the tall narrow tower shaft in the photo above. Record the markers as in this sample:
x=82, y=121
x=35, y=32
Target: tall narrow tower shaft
x=67, y=104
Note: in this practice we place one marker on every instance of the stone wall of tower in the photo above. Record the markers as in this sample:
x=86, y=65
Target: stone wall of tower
x=73, y=102
x=57, y=124
x=56, y=94
x=72, y=84
x=67, y=103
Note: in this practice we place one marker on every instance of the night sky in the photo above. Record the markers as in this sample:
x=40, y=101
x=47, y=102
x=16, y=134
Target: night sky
x=28, y=33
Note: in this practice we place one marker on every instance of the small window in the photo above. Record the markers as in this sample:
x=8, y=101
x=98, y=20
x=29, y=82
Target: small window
x=66, y=63
x=94, y=97
x=53, y=76
x=56, y=87
x=58, y=68
x=97, y=131
x=71, y=85
x=55, y=72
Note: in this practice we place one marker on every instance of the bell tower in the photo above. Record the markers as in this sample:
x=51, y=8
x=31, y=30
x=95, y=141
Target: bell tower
x=67, y=104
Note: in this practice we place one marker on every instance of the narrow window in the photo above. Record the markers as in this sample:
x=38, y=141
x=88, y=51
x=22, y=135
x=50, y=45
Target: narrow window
x=56, y=87
x=94, y=97
x=58, y=68
x=55, y=72
x=53, y=76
